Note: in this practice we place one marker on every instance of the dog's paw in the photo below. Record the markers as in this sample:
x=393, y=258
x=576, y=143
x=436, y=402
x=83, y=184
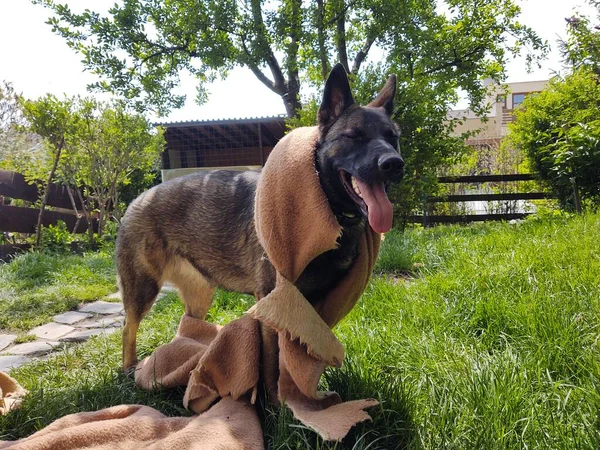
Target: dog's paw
x=130, y=370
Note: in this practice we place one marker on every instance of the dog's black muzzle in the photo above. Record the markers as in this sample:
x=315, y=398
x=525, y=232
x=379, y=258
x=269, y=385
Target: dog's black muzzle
x=386, y=163
x=390, y=167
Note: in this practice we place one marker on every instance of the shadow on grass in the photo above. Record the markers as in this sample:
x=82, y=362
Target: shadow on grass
x=106, y=386
x=88, y=377
x=391, y=426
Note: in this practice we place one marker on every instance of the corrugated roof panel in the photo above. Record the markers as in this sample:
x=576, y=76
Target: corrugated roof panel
x=184, y=123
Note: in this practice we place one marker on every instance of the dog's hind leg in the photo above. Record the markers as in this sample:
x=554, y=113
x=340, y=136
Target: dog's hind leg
x=196, y=292
x=139, y=290
x=197, y=298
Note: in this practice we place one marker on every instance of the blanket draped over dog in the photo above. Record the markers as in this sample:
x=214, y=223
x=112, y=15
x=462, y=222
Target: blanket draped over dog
x=284, y=343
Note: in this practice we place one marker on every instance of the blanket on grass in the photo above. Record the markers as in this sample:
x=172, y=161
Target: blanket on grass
x=282, y=345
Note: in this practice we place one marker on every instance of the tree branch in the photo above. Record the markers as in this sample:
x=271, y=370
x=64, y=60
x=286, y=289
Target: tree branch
x=256, y=71
x=278, y=78
x=341, y=12
x=321, y=39
x=362, y=54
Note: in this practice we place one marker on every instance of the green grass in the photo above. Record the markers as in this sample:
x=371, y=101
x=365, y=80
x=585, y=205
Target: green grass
x=491, y=343
x=25, y=338
x=37, y=286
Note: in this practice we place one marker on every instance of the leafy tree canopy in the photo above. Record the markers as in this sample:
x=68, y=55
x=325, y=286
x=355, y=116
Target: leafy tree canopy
x=581, y=49
x=94, y=148
x=436, y=48
x=15, y=145
x=141, y=47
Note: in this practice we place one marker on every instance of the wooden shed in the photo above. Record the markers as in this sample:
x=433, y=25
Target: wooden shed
x=227, y=143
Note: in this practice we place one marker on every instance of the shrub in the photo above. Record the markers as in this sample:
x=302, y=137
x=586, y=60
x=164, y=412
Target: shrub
x=559, y=130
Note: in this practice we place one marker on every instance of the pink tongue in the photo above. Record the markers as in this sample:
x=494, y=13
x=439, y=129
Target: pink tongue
x=378, y=206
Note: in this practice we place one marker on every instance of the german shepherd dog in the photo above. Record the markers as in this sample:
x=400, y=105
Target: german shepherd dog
x=197, y=231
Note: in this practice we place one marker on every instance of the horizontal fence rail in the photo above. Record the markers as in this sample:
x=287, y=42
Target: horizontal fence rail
x=21, y=219
x=466, y=218
x=24, y=220
x=432, y=219
x=499, y=178
x=14, y=185
x=490, y=197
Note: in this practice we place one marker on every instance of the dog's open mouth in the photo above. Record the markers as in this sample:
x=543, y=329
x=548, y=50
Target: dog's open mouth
x=372, y=201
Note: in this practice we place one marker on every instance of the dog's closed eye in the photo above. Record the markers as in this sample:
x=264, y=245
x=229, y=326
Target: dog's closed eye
x=352, y=133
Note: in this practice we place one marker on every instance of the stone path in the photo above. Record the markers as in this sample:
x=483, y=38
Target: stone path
x=89, y=320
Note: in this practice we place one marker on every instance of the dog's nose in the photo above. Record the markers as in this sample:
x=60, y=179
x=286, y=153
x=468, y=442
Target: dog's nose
x=391, y=166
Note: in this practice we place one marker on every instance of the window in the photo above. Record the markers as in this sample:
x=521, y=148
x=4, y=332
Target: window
x=518, y=99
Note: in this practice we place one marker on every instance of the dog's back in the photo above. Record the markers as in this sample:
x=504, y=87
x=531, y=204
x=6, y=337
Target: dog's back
x=205, y=219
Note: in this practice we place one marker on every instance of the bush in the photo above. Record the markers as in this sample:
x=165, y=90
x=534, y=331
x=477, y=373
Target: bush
x=57, y=238
x=559, y=130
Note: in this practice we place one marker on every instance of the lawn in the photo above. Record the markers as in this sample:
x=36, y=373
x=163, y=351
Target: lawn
x=478, y=337
x=37, y=286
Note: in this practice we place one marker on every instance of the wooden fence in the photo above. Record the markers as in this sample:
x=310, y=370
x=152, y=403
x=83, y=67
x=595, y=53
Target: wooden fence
x=22, y=219
x=428, y=220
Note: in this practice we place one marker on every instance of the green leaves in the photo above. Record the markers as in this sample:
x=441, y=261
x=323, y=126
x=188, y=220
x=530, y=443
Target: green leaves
x=435, y=48
x=582, y=47
x=560, y=132
x=101, y=146
x=142, y=46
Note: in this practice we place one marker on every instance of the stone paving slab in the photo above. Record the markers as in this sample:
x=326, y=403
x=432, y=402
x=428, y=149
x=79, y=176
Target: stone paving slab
x=71, y=317
x=37, y=348
x=6, y=340
x=102, y=323
x=12, y=362
x=84, y=335
x=51, y=330
x=101, y=307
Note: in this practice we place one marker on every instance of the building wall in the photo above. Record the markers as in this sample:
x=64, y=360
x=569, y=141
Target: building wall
x=501, y=113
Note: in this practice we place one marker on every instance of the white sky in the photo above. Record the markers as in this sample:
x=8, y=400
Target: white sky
x=37, y=61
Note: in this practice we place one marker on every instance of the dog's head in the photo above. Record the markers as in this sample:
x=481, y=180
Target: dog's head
x=358, y=151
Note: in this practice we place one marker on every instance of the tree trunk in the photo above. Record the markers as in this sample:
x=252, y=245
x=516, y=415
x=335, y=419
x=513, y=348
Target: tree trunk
x=103, y=205
x=88, y=217
x=321, y=39
x=292, y=104
x=38, y=230
x=340, y=36
x=74, y=206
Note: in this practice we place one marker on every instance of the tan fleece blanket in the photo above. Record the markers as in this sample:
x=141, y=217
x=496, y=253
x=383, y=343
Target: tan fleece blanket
x=228, y=425
x=284, y=343
x=294, y=227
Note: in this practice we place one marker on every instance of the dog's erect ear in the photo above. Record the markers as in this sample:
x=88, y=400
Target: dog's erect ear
x=385, y=99
x=337, y=97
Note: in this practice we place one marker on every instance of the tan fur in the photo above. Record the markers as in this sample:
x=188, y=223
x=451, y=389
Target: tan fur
x=196, y=292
